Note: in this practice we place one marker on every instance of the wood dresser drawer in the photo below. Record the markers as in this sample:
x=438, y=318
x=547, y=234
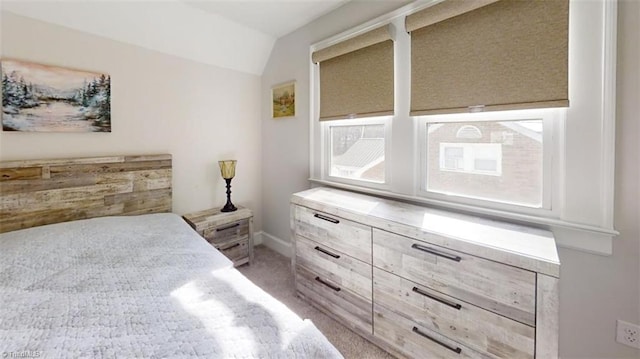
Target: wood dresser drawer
x=415, y=341
x=227, y=233
x=500, y=288
x=335, y=267
x=334, y=232
x=467, y=324
x=353, y=310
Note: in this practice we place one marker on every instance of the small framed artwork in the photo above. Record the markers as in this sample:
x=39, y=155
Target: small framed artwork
x=43, y=98
x=283, y=102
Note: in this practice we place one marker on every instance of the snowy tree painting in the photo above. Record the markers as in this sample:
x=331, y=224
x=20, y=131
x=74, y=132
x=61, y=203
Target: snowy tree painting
x=54, y=99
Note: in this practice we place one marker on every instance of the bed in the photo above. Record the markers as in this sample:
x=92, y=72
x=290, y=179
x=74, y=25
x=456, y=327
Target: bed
x=135, y=281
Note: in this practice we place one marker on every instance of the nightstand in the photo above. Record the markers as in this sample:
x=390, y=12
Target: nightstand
x=229, y=232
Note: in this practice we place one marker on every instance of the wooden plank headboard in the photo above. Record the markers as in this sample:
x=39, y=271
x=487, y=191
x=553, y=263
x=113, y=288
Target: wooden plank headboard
x=38, y=192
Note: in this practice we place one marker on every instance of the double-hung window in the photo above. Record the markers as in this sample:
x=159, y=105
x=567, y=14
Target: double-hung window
x=355, y=150
x=356, y=79
x=475, y=114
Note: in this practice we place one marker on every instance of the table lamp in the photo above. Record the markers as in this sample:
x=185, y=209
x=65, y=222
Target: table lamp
x=228, y=171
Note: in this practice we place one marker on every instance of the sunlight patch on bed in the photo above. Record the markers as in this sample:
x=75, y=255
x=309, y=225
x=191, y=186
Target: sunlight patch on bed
x=216, y=316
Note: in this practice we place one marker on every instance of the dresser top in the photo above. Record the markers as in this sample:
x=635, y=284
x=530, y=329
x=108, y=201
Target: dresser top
x=522, y=246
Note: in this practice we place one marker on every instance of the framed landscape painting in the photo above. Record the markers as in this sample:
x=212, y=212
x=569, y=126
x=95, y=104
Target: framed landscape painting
x=42, y=98
x=283, y=102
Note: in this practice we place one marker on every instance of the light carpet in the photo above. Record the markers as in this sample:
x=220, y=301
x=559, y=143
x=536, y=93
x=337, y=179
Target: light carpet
x=272, y=272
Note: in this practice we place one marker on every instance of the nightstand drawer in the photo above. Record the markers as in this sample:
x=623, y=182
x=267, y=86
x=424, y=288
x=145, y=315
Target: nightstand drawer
x=237, y=251
x=354, y=310
x=226, y=232
x=472, y=326
x=342, y=270
x=334, y=232
x=500, y=288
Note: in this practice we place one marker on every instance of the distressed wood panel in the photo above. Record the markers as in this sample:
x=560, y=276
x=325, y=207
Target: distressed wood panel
x=344, y=271
x=40, y=184
x=471, y=279
x=547, y=317
x=237, y=251
x=354, y=309
x=398, y=332
x=70, y=170
x=477, y=328
x=66, y=161
x=9, y=174
x=39, y=192
x=227, y=232
x=334, y=232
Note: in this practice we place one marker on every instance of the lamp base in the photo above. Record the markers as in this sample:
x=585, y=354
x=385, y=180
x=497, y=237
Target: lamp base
x=229, y=207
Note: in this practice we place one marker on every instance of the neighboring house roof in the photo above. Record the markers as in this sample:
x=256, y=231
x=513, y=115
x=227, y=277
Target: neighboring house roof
x=364, y=152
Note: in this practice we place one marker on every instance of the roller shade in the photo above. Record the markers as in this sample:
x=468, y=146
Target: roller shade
x=489, y=55
x=356, y=76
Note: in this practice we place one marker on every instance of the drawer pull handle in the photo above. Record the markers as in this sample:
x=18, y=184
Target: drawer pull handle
x=227, y=227
x=457, y=350
x=436, y=252
x=328, y=219
x=443, y=301
x=337, y=289
x=317, y=248
x=233, y=246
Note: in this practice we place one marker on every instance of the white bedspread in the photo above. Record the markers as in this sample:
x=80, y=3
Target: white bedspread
x=144, y=286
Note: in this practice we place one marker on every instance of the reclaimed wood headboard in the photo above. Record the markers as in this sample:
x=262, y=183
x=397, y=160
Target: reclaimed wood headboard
x=38, y=192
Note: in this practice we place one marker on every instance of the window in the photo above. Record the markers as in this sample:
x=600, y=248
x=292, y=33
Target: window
x=355, y=150
x=573, y=192
x=499, y=157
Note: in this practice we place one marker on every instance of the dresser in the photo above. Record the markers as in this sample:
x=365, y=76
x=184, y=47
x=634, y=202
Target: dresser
x=229, y=232
x=421, y=282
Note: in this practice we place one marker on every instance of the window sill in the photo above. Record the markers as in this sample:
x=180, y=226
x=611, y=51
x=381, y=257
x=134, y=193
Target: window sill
x=583, y=237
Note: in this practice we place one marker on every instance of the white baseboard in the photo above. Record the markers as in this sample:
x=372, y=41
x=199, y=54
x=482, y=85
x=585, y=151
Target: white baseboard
x=257, y=238
x=279, y=245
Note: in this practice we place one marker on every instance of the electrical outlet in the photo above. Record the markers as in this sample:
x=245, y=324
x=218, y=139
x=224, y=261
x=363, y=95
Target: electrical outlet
x=628, y=334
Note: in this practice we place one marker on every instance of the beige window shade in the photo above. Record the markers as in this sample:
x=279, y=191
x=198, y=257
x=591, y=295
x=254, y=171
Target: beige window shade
x=504, y=55
x=356, y=77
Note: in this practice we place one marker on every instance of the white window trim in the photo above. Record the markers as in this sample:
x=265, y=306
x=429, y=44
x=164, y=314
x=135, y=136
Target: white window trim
x=595, y=238
x=326, y=146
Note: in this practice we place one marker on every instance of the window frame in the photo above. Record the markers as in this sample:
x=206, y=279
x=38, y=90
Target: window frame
x=552, y=180
x=326, y=147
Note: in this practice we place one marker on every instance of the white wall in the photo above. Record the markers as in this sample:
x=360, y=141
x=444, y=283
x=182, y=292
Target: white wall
x=594, y=291
x=160, y=104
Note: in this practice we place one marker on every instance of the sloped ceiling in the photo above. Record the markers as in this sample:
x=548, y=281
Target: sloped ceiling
x=172, y=27
x=272, y=17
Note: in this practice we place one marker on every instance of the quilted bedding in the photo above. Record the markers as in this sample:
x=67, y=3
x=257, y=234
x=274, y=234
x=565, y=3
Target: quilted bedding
x=144, y=286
